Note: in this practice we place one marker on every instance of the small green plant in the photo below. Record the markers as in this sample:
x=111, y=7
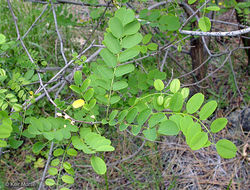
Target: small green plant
x=112, y=92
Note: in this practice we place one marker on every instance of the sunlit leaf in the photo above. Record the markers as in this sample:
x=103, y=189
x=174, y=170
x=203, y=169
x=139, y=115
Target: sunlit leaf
x=78, y=103
x=226, y=149
x=98, y=165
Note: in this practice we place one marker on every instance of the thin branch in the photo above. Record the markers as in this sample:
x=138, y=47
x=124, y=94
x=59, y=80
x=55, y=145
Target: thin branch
x=46, y=166
x=129, y=157
x=228, y=23
x=197, y=18
x=58, y=33
x=165, y=47
x=34, y=23
x=98, y=24
x=24, y=47
x=66, y=66
x=235, y=81
x=231, y=33
x=70, y=2
x=195, y=68
x=210, y=73
x=27, y=105
x=158, y=4
x=164, y=60
x=194, y=13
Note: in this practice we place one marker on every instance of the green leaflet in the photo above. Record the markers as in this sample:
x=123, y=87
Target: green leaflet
x=128, y=54
x=103, y=83
x=109, y=58
x=150, y=134
x=113, y=114
x=98, y=142
x=176, y=102
x=88, y=94
x=132, y=40
x=136, y=129
x=218, y=124
x=204, y=24
x=132, y=114
x=58, y=152
x=176, y=119
x=167, y=102
x=124, y=69
x=52, y=171
x=85, y=85
x=55, y=162
x=207, y=109
x=155, y=119
x=185, y=92
x=75, y=88
x=84, y=131
x=17, y=107
x=123, y=126
x=116, y=27
x=78, y=78
x=125, y=15
x=143, y=49
x=120, y=85
x=105, y=72
x=5, y=130
x=159, y=85
x=192, y=131
x=72, y=152
x=14, y=143
x=143, y=116
x=112, y=43
x=156, y=100
x=3, y=143
x=132, y=28
x=114, y=99
x=68, y=179
x=37, y=147
x=146, y=38
x=98, y=165
x=168, y=127
x=80, y=145
x=194, y=103
x=50, y=182
x=2, y=39
x=198, y=140
x=190, y=2
x=175, y=85
x=152, y=46
x=172, y=23
x=213, y=8
x=122, y=115
x=226, y=149
x=185, y=124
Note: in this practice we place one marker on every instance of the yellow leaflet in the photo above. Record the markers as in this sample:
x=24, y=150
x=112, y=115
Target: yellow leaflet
x=78, y=103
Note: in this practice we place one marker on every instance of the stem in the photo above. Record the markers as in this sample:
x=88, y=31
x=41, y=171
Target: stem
x=61, y=166
x=106, y=176
x=110, y=92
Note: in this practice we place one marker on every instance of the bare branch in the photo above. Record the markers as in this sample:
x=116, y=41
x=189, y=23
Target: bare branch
x=46, y=166
x=70, y=2
x=34, y=23
x=60, y=83
x=231, y=33
x=58, y=33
